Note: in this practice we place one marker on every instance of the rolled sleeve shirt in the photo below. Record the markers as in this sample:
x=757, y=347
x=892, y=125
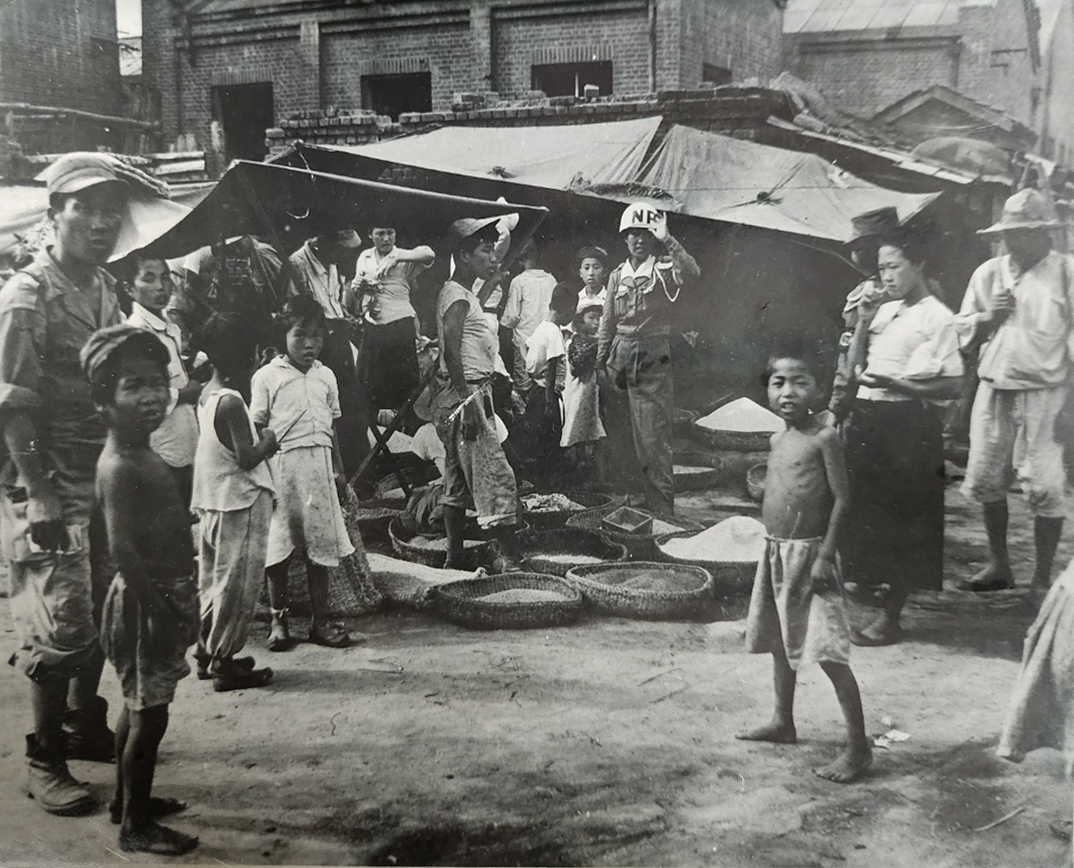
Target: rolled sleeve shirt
x=299, y=407
x=1033, y=347
x=176, y=440
x=44, y=321
x=393, y=287
x=911, y=342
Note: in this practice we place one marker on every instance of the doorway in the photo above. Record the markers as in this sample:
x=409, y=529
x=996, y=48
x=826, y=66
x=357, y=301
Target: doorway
x=244, y=111
x=394, y=94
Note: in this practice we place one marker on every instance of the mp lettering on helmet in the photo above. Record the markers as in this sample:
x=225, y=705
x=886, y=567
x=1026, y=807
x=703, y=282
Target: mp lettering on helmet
x=640, y=216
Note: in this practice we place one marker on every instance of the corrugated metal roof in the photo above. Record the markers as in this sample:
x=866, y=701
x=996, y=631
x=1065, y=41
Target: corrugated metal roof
x=825, y=16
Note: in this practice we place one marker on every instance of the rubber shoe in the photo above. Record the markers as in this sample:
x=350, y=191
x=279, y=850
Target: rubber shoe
x=49, y=783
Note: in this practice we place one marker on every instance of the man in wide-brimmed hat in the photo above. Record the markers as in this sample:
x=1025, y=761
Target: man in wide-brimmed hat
x=861, y=304
x=1018, y=313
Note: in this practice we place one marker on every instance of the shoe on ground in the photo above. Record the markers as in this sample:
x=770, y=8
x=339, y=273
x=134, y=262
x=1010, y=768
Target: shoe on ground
x=237, y=678
x=985, y=586
x=204, y=666
x=88, y=735
x=332, y=635
x=50, y=784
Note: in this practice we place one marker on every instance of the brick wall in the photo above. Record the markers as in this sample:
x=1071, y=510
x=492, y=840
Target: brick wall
x=541, y=37
x=743, y=36
x=983, y=56
x=316, y=59
x=60, y=53
x=444, y=51
x=862, y=77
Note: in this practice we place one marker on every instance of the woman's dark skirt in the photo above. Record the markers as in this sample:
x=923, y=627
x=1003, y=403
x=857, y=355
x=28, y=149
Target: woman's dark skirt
x=894, y=534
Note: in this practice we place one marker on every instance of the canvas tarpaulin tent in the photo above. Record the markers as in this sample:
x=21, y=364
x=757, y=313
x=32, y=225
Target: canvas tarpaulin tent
x=23, y=207
x=265, y=199
x=554, y=157
x=721, y=178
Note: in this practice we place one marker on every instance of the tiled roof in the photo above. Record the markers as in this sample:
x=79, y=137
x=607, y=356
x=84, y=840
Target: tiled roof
x=825, y=16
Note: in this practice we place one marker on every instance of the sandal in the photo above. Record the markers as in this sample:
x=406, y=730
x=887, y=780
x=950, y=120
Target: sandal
x=332, y=635
x=279, y=635
x=237, y=678
x=205, y=666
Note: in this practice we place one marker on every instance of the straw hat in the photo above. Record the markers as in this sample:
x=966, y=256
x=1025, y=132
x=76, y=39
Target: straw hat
x=1026, y=209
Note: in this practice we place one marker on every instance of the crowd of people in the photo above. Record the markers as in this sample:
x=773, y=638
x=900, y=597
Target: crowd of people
x=121, y=431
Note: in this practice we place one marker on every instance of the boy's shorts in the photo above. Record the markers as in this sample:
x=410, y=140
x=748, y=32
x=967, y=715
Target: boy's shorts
x=476, y=471
x=150, y=665
x=787, y=615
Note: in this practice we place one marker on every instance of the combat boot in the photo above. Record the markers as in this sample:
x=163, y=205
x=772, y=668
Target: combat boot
x=49, y=783
x=88, y=735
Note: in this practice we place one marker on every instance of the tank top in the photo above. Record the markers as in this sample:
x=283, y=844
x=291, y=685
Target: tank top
x=219, y=483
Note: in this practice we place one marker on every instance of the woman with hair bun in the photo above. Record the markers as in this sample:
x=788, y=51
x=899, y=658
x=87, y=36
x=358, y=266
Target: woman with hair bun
x=895, y=438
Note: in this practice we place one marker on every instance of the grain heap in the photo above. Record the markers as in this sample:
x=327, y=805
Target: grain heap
x=550, y=503
x=736, y=539
x=744, y=416
x=523, y=595
x=439, y=544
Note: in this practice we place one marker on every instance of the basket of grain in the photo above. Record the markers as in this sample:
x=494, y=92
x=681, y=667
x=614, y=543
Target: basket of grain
x=644, y=589
x=432, y=551
x=639, y=546
x=741, y=426
x=729, y=550
x=755, y=480
x=552, y=509
x=696, y=471
x=554, y=552
x=509, y=601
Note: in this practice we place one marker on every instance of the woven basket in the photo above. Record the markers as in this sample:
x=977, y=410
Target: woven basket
x=755, y=481
x=734, y=441
x=698, y=480
x=728, y=577
x=639, y=546
x=474, y=556
x=549, y=519
x=374, y=516
x=602, y=587
x=537, y=546
x=462, y=602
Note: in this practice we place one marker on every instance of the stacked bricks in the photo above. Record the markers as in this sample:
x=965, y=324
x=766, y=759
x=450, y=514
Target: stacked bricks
x=331, y=126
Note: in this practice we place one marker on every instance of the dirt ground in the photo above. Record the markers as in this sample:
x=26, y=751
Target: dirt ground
x=605, y=743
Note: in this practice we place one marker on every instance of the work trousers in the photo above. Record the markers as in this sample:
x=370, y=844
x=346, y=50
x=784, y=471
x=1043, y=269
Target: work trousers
x=640, y=370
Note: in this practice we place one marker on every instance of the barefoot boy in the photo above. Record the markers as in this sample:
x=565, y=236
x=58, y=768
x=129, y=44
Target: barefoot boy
x=797, y=612
x=150, y=615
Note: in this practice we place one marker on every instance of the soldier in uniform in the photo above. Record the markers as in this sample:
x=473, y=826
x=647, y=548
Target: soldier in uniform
x=634, y=344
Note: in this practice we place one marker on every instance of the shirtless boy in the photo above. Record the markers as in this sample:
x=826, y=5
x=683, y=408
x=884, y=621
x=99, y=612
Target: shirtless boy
x=797, y=613
x=150, y=615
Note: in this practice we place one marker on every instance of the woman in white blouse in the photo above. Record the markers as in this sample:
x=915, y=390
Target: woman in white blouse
x=895, y=439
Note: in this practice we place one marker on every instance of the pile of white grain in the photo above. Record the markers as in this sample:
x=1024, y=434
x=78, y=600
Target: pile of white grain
x=736, y=539
x=742, y=415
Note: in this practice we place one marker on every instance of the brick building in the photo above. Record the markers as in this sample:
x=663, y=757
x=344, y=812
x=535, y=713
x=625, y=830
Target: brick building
x=868, y=54
x=60, y=84
x=247, y=63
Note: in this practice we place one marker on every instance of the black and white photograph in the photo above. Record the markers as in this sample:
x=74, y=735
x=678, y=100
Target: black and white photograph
x=537, y=433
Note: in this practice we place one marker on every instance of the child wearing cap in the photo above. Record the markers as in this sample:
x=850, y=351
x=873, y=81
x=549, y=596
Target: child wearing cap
x=150, y=614
x=592, y=268
x=582, y=426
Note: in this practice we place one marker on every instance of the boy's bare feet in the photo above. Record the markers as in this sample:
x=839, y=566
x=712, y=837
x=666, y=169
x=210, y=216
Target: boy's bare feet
x=850, y=765
x=776, y=732
x=994, y=577
x=157, y=839
x=159, y=806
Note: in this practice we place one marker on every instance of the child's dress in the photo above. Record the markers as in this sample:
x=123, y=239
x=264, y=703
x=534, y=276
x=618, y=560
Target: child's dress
x=301, y=408
x=581, y=399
